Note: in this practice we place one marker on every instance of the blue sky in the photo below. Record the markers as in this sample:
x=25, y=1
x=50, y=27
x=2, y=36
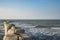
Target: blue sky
x=29, y=9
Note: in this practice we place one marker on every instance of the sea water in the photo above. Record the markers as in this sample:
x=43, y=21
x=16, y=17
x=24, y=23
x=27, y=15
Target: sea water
x=36, y=33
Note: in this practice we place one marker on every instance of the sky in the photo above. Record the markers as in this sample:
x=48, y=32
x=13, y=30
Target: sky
x=29, y=9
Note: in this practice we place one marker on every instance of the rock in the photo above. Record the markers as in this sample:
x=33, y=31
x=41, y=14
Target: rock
x=25, y=36
x=11, y=37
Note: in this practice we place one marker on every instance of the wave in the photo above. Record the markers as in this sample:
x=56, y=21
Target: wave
x=42, y=34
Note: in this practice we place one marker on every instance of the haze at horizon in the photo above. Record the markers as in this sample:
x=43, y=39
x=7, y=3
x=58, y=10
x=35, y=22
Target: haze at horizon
x=29, y=9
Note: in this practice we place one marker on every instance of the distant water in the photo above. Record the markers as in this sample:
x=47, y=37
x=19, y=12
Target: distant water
x=37, y=33
x=34, y=22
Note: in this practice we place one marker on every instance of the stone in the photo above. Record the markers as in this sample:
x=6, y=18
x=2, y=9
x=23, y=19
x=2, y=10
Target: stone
x=11, y=33
x=6, y=27
x=20, y=38
x=24, y=36
x=11, y=37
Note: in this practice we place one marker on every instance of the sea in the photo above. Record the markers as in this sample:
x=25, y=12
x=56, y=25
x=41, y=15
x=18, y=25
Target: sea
x=36, y=33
